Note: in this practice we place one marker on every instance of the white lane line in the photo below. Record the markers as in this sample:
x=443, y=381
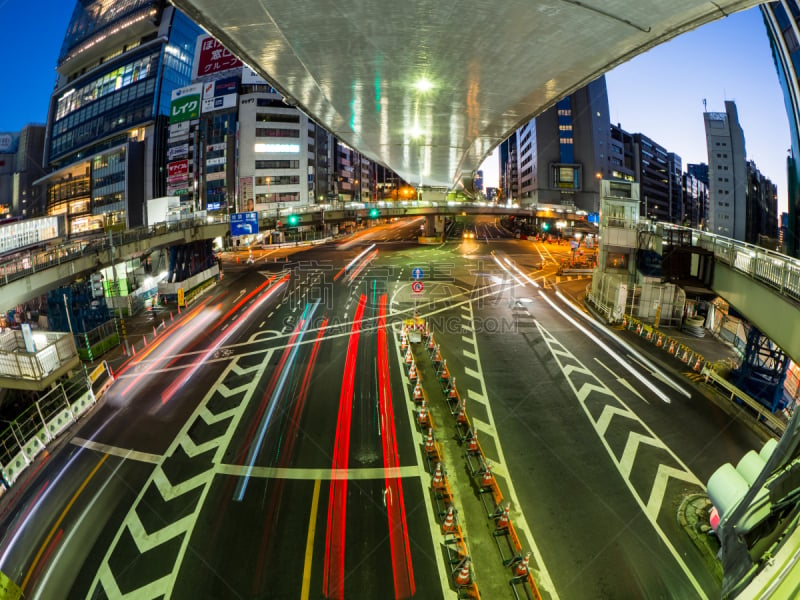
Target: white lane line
x=473, y=373
x=621, y=380
x=468, y=340
x=469, y=354
x=545, y=582
x=146, y=457
x=476, y=396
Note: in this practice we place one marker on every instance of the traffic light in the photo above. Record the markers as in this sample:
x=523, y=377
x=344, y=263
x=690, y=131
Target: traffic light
x=374, y=213
x=545, y=226
x=293, y=220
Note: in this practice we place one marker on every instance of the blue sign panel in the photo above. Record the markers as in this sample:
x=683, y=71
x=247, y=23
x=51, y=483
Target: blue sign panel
x=417, y=273
x=245, y=223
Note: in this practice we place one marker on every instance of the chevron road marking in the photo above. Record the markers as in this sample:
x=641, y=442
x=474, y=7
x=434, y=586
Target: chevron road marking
x=184, y=527
x=650, y=506
x=631, y=446
x=606, y=416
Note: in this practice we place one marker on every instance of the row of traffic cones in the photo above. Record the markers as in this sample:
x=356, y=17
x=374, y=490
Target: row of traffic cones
x=672, y=346
x=462, y=574
x=485, y=477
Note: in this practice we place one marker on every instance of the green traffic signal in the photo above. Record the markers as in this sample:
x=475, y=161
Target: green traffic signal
x=545, y=226
x=373, y=213
x=293, y=220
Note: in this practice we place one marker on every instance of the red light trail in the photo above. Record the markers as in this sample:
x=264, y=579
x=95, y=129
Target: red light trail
x=333, y=578
x=402, y=569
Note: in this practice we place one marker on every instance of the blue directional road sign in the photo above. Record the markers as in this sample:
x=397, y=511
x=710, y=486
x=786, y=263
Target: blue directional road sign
x=245, y=223
x=416, y=273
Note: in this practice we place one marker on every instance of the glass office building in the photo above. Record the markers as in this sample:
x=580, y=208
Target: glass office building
x=106, y=128
x=781, y=20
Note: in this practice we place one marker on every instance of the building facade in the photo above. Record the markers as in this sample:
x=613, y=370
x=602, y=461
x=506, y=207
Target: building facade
x=695, y=196
x=727, y=173
x=106, y=129
x=563, y=153
x=762, y=209
x=235, y=145
x=20, y=166
x=783, y=30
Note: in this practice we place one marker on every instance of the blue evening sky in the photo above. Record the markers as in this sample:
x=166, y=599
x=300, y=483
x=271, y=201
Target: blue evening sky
x=659, y=93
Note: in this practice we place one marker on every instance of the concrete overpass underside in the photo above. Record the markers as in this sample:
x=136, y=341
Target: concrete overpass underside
x=429, y=88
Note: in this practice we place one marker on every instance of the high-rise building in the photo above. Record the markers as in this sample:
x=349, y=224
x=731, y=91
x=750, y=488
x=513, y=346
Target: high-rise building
x=236, y=145
x=782, y=20
x=20, y=166
x=620, y=155
x=727, y=173
x=509, y=169
x=636, y=157
x=762, y=209
x=695, y=196
x=106, y=129
x=654, y=174
x=563, y=153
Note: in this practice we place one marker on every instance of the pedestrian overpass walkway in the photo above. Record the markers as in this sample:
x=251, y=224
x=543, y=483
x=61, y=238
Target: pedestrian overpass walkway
x=762, y=285
x=24, y=279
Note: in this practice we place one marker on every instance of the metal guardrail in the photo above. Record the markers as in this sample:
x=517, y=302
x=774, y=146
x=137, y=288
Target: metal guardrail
x=774, y=423
x=776, y=270
x=39, y=424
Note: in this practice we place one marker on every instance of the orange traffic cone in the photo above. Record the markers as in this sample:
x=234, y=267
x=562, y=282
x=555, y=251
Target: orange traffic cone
x=463, y=575
x=445, y=372
x=412, y=372
x=430, y=443
x=418, y=397
x=437, y=356
x=472, y=444
x=698, y=364
x=502, y=520
x=409, y=357
x=521, y=568
x=431, y=344
x=449, y=523
x=427, y=331
x=461, y=416
x=403, y=344
x=452, y=393
x=486, y=480
x=422, y=415
x=438, y=477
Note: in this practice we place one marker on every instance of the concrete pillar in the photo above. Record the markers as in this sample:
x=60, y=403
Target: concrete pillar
x=430, y=225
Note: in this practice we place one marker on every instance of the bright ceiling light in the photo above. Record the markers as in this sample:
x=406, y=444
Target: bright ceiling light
x=423, y=84
x=416, y=131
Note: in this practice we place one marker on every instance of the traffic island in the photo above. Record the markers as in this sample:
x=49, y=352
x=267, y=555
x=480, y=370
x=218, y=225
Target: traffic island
x=482, y=550
x=693, y=515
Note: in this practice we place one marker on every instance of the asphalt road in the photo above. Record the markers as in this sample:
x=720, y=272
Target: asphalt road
x=264, y=447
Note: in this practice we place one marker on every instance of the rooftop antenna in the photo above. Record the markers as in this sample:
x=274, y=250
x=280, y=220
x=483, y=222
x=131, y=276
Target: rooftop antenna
x=705, y=108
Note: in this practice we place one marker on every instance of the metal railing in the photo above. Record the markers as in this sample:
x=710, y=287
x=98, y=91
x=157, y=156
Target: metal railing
x=52, y=351
x=41, y=422
x=773, y=269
